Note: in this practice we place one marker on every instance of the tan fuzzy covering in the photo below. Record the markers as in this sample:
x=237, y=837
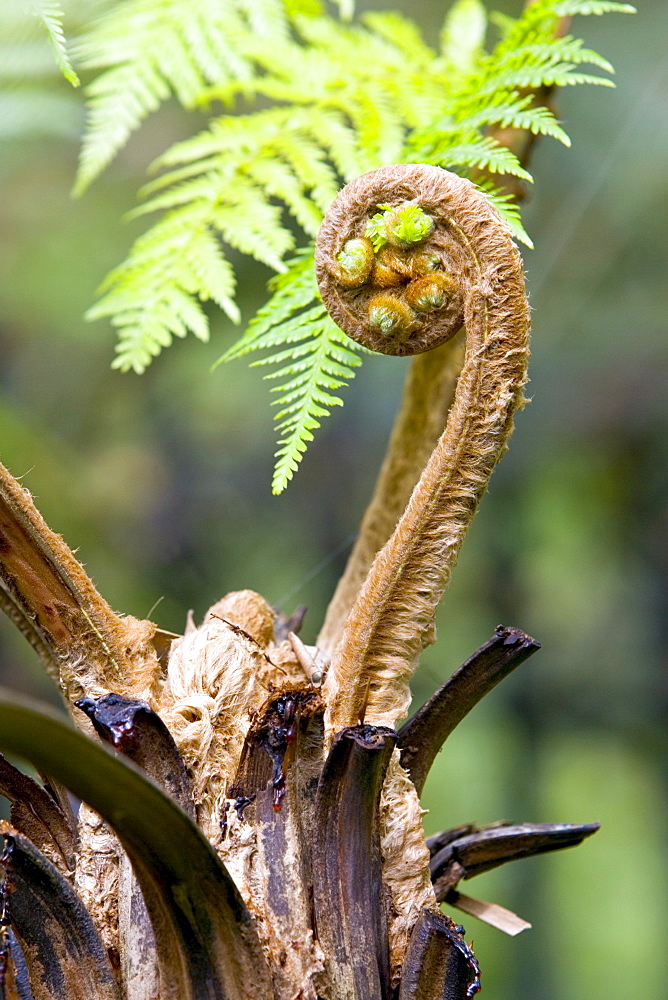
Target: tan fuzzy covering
x=96, y=875
x=427, y=397
x=144, y=675
x=249, y=611
x=405, y=859
x=220, y=677
x=213, y=682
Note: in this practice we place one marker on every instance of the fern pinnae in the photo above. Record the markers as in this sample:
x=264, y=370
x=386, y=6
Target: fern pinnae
x=148, y=50
x=557, y=62
x=308, y=396
x=559, y=75
x=253, y=226
x=242, y=168
x=568, y=8
x=331, y=130
x=481, y=153
x=313, y=357
x=508, y=209
x=291, y=331
x=154, y=295
x=280, y=182
x=118, y=102
x=50, y=14
x=521, y=115
x=572, y=50
x=295, y=335
x=308, y=162
x=403, y=34
x=291, y=292
x=210, y=270
x=380, y=130
x=267, y=19
x=276, y=148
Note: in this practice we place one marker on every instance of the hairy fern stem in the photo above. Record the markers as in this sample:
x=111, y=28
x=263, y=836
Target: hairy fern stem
x=392, y=619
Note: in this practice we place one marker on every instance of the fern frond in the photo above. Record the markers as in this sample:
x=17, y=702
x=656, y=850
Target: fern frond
x=156, y=294
x=31, y=98
x=237, y=150
x=538, y=20
x=222, y=189
x=150, y=49
x=518, y=113
x=51, y=15
x=481, y=153
x=291, y=292
x=508, y=209
x=307, y=394
x=314, y=356
x=539, y=65
x=402, y=33
x=318, y=73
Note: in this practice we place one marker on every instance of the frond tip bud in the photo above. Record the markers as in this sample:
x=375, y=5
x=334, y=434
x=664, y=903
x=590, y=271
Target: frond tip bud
x=390, y=316
x=355, y=261
x=480, y=280
x=430, y=292
x=404, y=226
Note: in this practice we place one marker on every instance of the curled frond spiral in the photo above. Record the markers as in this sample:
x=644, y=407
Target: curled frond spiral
x=392, y=619
x=416, y=250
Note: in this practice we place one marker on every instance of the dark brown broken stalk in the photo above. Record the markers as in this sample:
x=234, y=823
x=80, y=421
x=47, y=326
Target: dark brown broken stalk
x=252, y=827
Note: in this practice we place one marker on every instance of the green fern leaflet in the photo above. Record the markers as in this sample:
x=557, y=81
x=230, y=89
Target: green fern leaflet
x=314, y=357
x=51, y=15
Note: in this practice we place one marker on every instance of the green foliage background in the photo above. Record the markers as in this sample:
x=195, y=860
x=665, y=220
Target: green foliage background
x=162, y=483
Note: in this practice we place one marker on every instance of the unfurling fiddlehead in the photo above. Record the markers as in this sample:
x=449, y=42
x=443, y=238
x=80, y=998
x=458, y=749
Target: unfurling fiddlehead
x=385, y=276
x=475, y=277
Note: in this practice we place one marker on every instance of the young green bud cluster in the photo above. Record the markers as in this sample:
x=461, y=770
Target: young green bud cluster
x=391, y=254
x=429, y=292
x=390, y=315
x=386, y=257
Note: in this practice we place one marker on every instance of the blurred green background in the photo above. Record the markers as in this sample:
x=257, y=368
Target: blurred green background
x=163, y=484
